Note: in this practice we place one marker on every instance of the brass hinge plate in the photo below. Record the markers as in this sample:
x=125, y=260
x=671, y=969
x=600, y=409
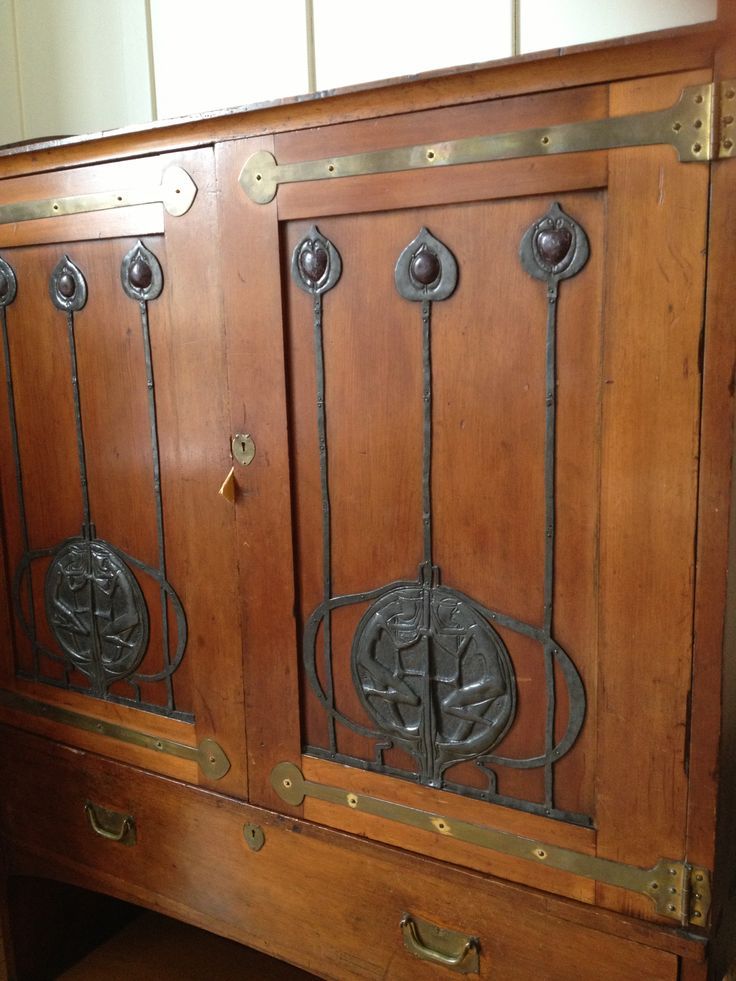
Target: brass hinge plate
x=208, y=755
x=726, y=119
x=678, y=890
x=176, y=193
x=687, y=126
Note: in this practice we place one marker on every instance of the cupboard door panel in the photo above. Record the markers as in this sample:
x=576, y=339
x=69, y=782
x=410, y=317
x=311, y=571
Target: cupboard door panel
x=121, y=559
x=493, y=457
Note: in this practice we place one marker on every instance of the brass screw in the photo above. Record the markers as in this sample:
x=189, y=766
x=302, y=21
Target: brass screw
x=677, y=127
x=697, y=914
x=728, y=144
x=671, y=908
x=540, y=853
x=697, y=148
x=352, y=800
x=545, y=140
x=730, y=94
x=430, y=154
x=698, y=98
x=699, y=876
x=286, y=782
x=698, y=123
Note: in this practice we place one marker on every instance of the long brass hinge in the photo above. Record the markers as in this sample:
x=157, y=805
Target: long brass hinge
x=695, y=126
x=679, y=891
x=208, y=755
x=176, y=192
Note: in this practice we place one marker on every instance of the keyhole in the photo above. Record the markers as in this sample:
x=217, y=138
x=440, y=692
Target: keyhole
x=243, y=448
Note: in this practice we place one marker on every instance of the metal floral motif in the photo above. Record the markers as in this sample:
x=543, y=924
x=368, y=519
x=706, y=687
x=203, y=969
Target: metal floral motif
x=315, y=264
x=428, y=663
x=94, y=604
x=67, y=286
x=554, y=247
x=141, y=275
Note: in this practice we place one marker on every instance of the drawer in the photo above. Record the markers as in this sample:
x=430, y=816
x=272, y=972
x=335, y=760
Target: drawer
x=326, y=901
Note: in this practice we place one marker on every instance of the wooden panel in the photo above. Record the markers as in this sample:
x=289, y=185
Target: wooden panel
x=191, y=400
x=249, y=246
x=709, y=731
x=113, y=177
x=267, y=899
x=444, y=185
x=656, y=245
x=488, y=358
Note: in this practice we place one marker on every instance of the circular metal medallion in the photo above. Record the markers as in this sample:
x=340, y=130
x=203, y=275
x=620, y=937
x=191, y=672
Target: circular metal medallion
x=434, y=675
x=96, y=610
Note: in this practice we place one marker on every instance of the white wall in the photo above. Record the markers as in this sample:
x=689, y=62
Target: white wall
x=11, y=121
x=558, y=23
x=76, y=66
x=83, y=65
x=360, y=42
x=220, y=53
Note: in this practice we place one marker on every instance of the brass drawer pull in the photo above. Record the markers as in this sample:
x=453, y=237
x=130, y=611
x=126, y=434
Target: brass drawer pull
x=455, y=951
x=110, y=824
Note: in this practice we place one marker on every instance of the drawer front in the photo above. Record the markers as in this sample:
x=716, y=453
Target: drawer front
x=328, y=902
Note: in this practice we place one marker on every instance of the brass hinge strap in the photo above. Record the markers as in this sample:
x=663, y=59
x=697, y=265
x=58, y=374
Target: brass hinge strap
x=678, y=890
x=687, y=126
x=176, y=193
x=208, y=755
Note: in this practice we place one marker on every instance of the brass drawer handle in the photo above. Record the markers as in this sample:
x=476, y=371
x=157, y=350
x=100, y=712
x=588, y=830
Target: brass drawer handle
x=453, y=950
x=110, y=824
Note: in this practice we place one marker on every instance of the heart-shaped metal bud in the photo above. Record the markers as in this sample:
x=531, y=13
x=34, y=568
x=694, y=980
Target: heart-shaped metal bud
x=141, y=274
x=554, y=247
x=7, y=284
x=425, y=267
x=315, y=263
x=67, y=286
x=553, y=244
x=313, y=260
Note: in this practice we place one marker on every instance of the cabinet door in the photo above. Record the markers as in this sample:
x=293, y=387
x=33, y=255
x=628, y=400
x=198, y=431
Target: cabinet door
x=123, y=627
x=470, y=535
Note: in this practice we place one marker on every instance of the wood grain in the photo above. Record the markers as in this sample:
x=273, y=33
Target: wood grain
x=650, y=431
x=267, y=899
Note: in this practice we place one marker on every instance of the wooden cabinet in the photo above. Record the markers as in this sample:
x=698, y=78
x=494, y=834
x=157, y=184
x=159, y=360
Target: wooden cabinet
x=445, y=650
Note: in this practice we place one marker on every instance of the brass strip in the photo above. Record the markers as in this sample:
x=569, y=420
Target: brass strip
x=209, y=755
x=687, y=126
x=176, y=193
x=678, y=890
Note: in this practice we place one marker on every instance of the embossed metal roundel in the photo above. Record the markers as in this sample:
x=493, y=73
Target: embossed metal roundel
x=315, y=264
x=434, y=675
x=96, y=610
x=554, y=247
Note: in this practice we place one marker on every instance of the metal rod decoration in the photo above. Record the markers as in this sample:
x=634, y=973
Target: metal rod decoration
x=94, y=604
x=315, y=268
x=8, y=291
x=553, y=248
x=428, y=664
x=68, y=290
x=141, y=277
